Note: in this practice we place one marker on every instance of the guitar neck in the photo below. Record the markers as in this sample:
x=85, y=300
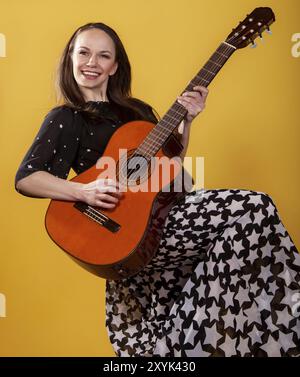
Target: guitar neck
x=160, y=133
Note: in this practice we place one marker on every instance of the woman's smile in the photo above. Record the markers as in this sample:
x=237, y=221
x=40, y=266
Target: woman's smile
x=90, y=75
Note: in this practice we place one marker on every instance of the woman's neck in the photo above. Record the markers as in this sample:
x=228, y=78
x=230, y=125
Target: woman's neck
x=90, y=95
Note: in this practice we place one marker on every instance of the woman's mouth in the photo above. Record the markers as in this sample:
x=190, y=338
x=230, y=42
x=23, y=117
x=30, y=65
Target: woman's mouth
x=90, y=75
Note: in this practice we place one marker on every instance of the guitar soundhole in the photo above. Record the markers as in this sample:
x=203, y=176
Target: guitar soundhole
x=134, y=169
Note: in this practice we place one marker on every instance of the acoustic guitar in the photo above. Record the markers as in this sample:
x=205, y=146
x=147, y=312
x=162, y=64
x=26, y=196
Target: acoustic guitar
x=118, y=243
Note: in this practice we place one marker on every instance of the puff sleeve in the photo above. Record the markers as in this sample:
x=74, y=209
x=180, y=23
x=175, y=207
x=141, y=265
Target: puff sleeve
x=54, y=147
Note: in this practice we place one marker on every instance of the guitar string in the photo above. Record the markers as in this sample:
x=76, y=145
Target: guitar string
x=93, y=217
x=91, y=212
x=142, y=160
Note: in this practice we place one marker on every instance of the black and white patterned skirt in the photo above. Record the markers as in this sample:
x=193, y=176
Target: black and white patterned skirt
x=225, y=282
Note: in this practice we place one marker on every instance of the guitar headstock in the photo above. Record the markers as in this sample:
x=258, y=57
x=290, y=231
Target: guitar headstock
x=252, y=27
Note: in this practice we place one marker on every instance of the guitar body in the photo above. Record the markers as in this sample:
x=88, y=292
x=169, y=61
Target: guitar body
x=127, y=239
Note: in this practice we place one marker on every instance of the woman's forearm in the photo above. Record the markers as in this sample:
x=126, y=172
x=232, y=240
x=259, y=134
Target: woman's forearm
x=45, y=185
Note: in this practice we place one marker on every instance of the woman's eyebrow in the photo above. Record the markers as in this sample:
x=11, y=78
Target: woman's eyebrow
x=99, y=51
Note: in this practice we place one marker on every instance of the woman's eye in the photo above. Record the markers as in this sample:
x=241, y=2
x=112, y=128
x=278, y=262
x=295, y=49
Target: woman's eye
x=101, y=56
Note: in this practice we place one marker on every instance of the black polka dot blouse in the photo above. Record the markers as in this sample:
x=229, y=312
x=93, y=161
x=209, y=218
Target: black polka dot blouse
x=67, y=140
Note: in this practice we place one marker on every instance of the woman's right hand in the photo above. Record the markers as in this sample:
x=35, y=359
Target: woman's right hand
x=103, y=193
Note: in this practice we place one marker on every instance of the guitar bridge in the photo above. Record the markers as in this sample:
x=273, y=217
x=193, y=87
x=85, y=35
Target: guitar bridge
x=97, y=216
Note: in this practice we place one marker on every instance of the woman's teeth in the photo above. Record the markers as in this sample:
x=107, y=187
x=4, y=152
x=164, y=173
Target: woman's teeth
x=91, y=74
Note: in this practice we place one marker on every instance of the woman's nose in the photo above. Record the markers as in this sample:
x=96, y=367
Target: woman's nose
x=92, y=61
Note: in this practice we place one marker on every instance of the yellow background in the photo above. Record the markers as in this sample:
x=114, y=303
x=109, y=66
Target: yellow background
x=248, y=134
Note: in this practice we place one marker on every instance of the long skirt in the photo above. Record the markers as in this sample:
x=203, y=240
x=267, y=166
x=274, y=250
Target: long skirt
x=224, y=282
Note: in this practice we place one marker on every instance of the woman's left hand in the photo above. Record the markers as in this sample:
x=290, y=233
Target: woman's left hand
x=194, y=102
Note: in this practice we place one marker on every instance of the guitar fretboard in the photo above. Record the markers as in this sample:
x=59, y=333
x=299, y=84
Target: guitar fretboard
x=160, y=133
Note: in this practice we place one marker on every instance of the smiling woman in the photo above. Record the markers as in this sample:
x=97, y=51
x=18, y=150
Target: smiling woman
x=224, y=277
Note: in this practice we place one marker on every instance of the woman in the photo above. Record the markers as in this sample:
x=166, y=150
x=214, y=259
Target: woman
x=226, y=274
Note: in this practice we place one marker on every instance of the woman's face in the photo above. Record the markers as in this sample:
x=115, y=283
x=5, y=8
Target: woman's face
x=93, y=62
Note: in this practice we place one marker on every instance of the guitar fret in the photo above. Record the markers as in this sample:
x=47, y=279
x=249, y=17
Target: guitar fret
x=177, y=108
x=155, y=140
x=217, y=52
x=212, y=73
x=144, y=152
x=150, y=152
x=165, y=125
x=149, y=143
x=170, y=116
x=158, y=138
x=201, y=78
x=215, y=63
x=212, y=67
x=154, y=144
x=162, y=130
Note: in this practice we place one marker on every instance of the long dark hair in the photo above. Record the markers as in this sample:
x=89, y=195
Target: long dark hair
x=119, y=84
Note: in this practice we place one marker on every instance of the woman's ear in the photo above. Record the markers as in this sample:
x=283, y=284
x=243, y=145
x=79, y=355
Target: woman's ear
x=114, y=69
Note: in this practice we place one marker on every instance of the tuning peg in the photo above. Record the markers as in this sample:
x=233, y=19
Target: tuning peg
x=261, y=37
x=253, y=44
